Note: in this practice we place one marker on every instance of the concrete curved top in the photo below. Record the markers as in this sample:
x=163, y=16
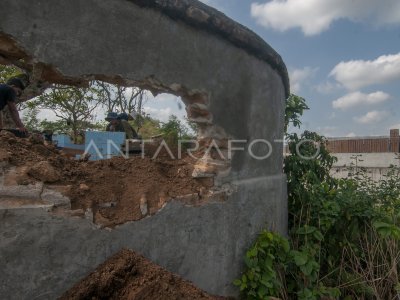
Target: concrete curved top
x=202, y=16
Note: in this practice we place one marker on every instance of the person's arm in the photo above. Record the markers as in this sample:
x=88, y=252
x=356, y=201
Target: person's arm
x=15, y=116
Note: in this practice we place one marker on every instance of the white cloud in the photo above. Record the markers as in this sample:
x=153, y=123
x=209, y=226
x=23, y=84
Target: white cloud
x=372, y=117
x=299, y=76
x=161, y=114
x=316, y=16
x=327, y=87
x=164, y=105
x=357, y=98
x=355, y=74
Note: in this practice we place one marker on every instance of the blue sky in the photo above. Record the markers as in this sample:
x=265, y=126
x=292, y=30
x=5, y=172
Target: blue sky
x=343, y=57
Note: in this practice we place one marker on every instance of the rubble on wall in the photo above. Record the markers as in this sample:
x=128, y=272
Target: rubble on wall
x=109, y=192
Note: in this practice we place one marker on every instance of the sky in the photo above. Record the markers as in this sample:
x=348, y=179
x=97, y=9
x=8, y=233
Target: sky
x=343, y=57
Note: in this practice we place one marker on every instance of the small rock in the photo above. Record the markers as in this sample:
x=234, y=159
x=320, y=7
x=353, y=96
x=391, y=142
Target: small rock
x=89, y=214
x=83, y=187
x=108, y=204
x=190, y=199
x=203, y=191
x=143, y=205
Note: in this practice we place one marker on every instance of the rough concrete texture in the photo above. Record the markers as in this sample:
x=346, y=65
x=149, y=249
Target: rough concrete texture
x=43, y=255
x=377, y=165
x=233, y=85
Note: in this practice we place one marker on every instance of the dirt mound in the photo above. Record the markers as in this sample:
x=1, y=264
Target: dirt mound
x=25, y=151
x=128, y=275
x=112, y=191
x=121, y=190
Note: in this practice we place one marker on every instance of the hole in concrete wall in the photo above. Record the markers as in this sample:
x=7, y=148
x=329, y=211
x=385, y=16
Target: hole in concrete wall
x=113, y=192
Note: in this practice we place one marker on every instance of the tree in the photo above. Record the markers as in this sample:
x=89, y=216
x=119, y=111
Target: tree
x=175, y=130
x=72, y=105
x=295, y=107
x=120, y=98
x=31, y=120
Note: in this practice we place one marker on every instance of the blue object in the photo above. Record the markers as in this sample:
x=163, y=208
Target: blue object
x=103, y=145
x=64, y=141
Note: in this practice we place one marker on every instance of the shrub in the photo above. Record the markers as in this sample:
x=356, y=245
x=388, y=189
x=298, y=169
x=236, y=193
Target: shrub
x=343, y=233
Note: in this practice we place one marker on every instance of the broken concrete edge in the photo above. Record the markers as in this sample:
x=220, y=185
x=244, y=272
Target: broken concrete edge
x=204, y=17
x=212, y=197
x=11, y=52
x=54, y=197
x=43, y=196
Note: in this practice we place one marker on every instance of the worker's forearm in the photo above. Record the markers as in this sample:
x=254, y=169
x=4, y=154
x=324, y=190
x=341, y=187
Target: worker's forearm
x=15, y=115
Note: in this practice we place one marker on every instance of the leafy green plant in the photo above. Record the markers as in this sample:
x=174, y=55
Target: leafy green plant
x=266, y=264
x=344, y=234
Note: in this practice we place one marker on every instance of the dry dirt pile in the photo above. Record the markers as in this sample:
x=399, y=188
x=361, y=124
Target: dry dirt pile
x=128, y=275
x=115, y=191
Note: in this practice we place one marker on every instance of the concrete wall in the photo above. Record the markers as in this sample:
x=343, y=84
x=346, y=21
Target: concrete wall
x=376, y=164
x=187, y=50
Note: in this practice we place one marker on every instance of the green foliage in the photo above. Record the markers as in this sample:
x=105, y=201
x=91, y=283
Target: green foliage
x=148, y=126
x=58, y=126
x=73, y=106
x=174, y=130
x=31, y=120
x=344, y=234
x=295, y=107
x=266, y=263
x=8, y=71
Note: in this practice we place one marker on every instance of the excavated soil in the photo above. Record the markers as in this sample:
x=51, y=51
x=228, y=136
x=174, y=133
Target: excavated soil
x=128, y=275
x=114, y=191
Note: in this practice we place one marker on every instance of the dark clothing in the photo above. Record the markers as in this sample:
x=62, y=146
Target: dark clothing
x=109, y=127
x=7, y=94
